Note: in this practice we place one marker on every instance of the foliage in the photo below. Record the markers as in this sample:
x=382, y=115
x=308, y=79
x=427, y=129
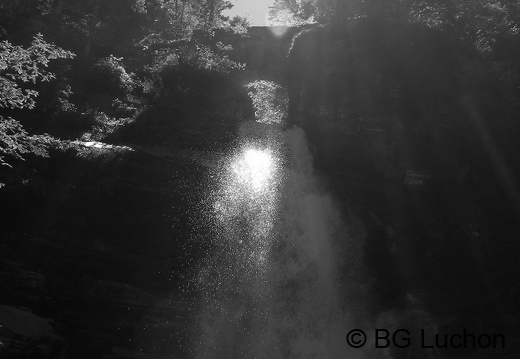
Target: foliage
x=96, y=28
x=15, y=142
x=110, y=75
x=480, y=21
x=191, y=75
x=185, y=17
x=11, y=12
x=18, y=67
x=132, y=54
x=195, y=56
x=171, y=22
x=269, y=100
x=108, y=87
x=285, y=13
x=104, y=126
x=239, y=25
x=22, y=66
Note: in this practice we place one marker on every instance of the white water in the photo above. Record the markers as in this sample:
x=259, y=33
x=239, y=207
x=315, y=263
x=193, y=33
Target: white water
x=272, y=286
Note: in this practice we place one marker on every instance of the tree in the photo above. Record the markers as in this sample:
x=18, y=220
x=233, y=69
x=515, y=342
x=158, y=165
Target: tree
x=481, y=22
x=332, y=12
x=20, y=67
x=291, y=13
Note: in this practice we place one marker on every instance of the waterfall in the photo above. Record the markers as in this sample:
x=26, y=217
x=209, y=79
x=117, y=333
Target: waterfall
x=272, y=284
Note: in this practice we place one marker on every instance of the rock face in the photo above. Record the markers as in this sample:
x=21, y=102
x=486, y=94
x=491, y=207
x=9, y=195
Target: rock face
x=24, y=334
x=100, y=268
x=366, y=92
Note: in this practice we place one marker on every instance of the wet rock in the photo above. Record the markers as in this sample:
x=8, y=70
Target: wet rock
x=105, y=254
x=23, y=285
x=24, y=334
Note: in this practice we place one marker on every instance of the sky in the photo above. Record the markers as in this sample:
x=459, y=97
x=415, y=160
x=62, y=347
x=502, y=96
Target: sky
x=256, y=10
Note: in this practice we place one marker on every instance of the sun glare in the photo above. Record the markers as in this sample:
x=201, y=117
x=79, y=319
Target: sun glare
x=254, y=169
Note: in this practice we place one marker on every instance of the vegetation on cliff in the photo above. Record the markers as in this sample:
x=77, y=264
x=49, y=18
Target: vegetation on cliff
x=123, y=61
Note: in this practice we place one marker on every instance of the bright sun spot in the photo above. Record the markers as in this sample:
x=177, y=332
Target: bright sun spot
x=247, y=204
x=255, y=169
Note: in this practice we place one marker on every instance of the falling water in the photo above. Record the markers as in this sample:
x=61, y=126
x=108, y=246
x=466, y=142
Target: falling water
x=271, y=286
